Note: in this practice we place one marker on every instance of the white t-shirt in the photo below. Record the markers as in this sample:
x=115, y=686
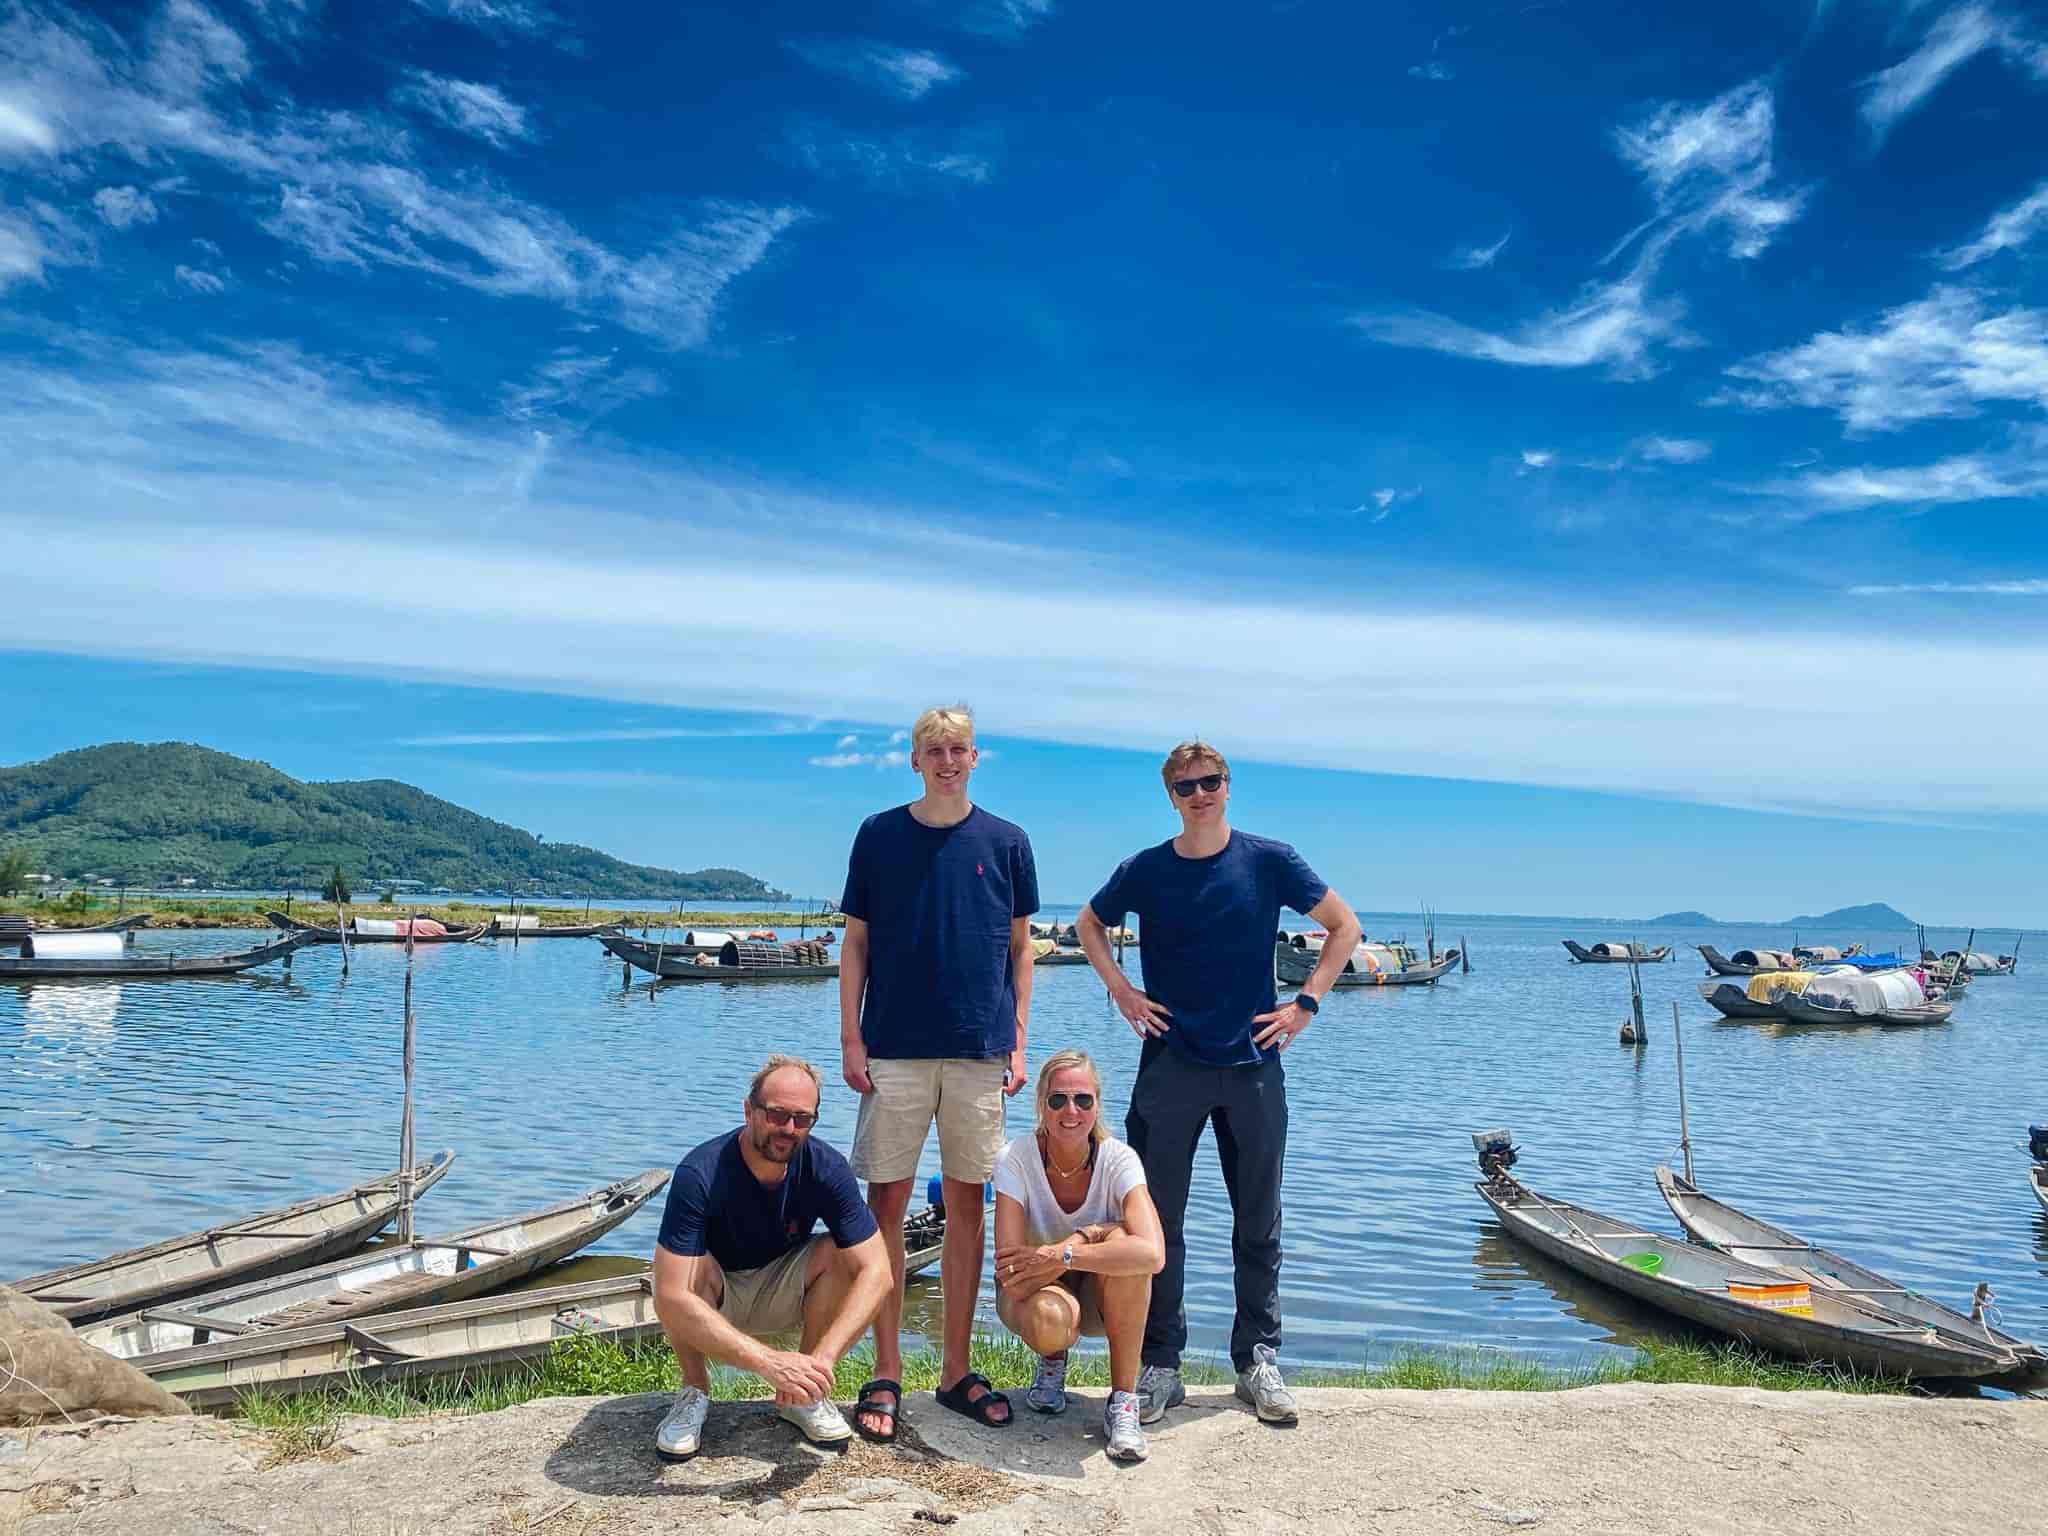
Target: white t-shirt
x=1020, y=1174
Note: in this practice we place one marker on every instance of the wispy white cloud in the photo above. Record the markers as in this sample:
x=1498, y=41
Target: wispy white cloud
x=1954, y=38
x=1961, y=478
x=523, y=16
x=578, y=387
x=904, y=73
x=1673, y=450
x=1432, y=69
x=468, y=106
x=1941, y=356
x=2006, y=230
x=36, y=237
x=200, y=280
x=1379, y=506
x=1004, y=20
x=1538, y=458
x=123, y=207
x=895, y=160
x=757, y=728
x=863, y=760
x=897, y=738
x=1708, y=169
x=23, y=131
x=346, y=187
x=846, y=743
x=1615, y=325
x=1474, y=258
x=2029, y=586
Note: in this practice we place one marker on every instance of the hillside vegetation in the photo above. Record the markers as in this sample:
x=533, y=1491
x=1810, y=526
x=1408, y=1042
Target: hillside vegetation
x=151, y=813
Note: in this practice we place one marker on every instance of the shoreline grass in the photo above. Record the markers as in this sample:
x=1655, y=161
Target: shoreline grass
x=605, y=1368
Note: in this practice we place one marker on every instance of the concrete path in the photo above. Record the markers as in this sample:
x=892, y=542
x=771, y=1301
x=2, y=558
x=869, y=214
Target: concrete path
x=1631, y=1460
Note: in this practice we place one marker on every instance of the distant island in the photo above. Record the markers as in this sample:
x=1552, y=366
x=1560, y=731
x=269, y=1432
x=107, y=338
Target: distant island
x=1872, y=914
x=169, y=812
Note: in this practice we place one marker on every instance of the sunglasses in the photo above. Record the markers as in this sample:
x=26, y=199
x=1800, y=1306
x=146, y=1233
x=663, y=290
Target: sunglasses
x=801, y=1119
x=1082, y=1101
x=1208, y=784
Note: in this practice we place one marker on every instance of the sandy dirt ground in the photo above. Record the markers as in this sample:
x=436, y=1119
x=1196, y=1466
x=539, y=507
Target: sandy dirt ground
x=1631, y=1460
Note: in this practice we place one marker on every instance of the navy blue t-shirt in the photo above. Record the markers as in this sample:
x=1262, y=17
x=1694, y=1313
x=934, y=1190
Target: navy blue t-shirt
x=938, y=902
x=717, y=1206
x=1205, y=932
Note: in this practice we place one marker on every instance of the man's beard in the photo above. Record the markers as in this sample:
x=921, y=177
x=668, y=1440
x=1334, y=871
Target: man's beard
x=776, y=1146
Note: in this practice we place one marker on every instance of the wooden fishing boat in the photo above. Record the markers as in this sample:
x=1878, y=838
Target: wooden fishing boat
x=367, y=930
x=1618, y=954
x=2037, y=1176
x=1745, y=962
x=524, y=927
x=1720, y=1293
x=14, y=927
x=1743, y=1237
x=1055, y=957
x=1372, y=963
x=738, y=960
x=252, y=1248
x=50, y=954
x=1975, y=962
x=1893, y=998
x=416, y=1274
x=478, y=1335
x=1734, y=1002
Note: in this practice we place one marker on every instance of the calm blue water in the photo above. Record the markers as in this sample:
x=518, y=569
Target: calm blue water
x=129, y=1112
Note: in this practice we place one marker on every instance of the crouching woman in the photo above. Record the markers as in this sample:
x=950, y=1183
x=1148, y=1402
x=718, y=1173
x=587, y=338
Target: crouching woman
x=1077, y=1245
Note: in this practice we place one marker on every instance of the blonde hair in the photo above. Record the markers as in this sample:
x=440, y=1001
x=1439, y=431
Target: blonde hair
x=779, y=1063
x=1186, y=755
x=942, y=723
x=1066, y=1061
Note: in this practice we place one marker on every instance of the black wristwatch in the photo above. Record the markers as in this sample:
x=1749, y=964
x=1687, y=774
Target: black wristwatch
x=1306, y=1004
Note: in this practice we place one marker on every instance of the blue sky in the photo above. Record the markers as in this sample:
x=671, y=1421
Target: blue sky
x=1599, y=400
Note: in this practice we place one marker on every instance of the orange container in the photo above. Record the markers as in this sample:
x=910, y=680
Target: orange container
x=1796, y=1299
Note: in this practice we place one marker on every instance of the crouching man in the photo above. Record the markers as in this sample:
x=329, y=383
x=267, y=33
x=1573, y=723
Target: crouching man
x=737, y=1262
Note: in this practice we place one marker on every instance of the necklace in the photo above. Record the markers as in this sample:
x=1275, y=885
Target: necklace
x=1053, y=1163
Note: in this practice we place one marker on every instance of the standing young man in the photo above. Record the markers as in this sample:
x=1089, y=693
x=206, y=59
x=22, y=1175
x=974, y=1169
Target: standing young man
x=1208, y=903
x=934, y=999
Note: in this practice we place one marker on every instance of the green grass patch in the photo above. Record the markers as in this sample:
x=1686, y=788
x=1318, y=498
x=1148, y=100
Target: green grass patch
x=605, y=1368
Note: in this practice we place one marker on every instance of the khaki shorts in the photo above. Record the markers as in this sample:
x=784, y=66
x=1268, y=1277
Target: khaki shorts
x=1088, y=1288
x=964, y=1096
x=770, y=1299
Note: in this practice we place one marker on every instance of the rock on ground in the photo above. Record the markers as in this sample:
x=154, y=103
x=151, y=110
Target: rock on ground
x=46, y=1373
x=1640, y=1460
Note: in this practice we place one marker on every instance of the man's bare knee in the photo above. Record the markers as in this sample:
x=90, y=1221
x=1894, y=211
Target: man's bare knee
x=891, y=1198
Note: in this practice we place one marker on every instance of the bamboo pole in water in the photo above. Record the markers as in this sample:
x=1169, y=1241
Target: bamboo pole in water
x=1684, y=1134
x=405, y=1154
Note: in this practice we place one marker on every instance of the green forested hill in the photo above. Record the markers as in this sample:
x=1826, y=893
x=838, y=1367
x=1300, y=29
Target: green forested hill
x=144, y=813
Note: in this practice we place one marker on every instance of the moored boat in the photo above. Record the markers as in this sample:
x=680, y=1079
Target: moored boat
x=1743, y=1237
x=1734, y=1002
x=2037, y=1176
x=1618, y=954
x=526, y=926
x=1712, y=1290
x=1746, y=962
x=738, y=960
x=1846, y=996
x=1372, y=963
x=378, y=930
x=105, y=955
x=416, y=1274
x=15, y=926
x=273, y=1242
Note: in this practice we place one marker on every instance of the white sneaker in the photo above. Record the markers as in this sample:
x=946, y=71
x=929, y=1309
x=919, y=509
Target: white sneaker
x=682, y=1428
x=1120, y=1427
x=1260, y=1384
x=821, y=1422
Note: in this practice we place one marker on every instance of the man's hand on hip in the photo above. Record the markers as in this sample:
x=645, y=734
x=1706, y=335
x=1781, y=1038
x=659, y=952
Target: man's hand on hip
x=1141, y=1012
x=1013, y=1073
x=1282, y=1025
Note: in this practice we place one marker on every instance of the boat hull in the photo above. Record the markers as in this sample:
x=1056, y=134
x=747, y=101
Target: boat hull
x=1293, y=967
x=234, y=1253
x=1734, y=1003
x=1779, y=1333
x=663, y=961
x=1585, y=956
x=1800, y=1011
x=167, y=967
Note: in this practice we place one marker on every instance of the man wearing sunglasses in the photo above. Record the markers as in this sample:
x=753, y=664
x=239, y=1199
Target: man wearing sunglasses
x=736, y=1261
x=1208, y=903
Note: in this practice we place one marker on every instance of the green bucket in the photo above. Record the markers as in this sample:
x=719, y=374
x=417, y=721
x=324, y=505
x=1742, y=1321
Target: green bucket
x=1648, y=1263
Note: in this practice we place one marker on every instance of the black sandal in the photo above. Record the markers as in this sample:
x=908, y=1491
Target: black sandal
x=957, y=1398
x=870, y=1402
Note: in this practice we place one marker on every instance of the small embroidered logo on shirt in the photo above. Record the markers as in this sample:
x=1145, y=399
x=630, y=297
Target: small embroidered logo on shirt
x=977, y=869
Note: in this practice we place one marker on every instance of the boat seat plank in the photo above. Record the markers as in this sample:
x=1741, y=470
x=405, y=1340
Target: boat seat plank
x=193, y=1320
x=373, y=1346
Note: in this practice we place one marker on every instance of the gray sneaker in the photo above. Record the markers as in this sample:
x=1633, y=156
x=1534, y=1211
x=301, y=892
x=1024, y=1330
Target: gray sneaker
x=1120, y=1427
x=1159, y=1388
x=1261, y=1386
x=1048, y=1392
x=683, y=1426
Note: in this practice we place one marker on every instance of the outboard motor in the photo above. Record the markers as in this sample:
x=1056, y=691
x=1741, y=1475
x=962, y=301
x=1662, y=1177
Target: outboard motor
x=1496, y=1151
x=2037, y=1142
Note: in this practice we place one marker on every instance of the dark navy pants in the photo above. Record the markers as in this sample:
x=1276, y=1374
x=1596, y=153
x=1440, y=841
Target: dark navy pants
x=1173, y=1098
